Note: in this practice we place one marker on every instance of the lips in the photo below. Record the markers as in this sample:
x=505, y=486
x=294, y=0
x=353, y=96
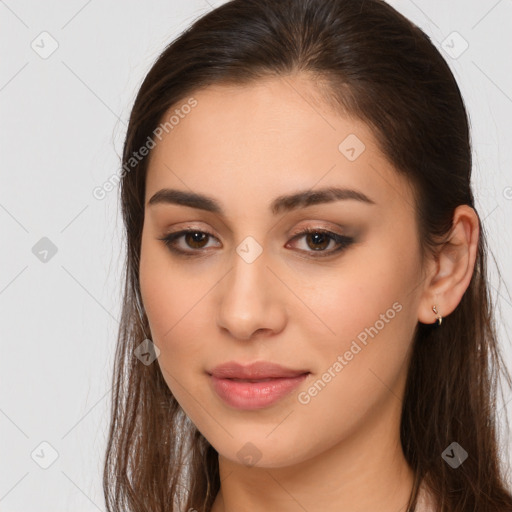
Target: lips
x=257, y=371
x=255, y=386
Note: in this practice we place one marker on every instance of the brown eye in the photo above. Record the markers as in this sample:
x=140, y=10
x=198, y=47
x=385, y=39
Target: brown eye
x=317, y=241
x=196, y=239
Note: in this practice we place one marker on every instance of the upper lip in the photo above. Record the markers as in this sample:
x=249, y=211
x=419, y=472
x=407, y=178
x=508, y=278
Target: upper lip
x=256, y=370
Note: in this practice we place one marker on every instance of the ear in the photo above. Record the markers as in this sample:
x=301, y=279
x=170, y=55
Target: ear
x=452, y=267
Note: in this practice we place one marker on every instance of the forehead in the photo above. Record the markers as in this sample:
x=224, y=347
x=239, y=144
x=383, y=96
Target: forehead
x=266, y=139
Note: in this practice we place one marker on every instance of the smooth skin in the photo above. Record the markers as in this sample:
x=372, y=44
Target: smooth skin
x=244, y=147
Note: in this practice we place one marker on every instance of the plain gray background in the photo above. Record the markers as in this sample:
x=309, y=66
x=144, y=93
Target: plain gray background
x=63, y=119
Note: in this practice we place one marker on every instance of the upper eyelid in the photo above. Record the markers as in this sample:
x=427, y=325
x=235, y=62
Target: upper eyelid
x=291, y=232
x=298, y=232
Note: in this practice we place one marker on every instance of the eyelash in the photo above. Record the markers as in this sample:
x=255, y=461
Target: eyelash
x=342, y=241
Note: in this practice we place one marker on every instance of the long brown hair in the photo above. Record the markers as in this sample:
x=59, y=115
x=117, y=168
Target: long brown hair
x=370, y=62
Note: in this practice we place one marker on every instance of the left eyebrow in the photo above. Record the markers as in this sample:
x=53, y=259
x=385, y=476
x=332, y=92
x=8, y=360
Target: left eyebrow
x=289, y=202
x=307, y=198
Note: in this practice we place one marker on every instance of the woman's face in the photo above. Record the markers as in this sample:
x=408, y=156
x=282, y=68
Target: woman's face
x=251, y=290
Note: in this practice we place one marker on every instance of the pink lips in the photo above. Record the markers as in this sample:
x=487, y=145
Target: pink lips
x=254, y=386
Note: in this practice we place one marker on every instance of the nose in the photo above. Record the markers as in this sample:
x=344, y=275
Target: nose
x=251, y=300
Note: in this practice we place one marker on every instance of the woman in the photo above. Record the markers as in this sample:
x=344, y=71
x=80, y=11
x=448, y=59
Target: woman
x=306, y=323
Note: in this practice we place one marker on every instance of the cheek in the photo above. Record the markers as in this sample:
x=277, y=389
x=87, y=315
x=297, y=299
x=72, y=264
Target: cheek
x=174, y=303
x=157, y=292
x=361, y=366
x=165, y=296
x=364, y=310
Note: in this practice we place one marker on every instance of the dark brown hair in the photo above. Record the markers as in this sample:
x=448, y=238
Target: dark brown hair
x=370, y=62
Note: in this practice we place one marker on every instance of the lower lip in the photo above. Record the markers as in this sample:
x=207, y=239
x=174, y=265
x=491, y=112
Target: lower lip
x=254, y=395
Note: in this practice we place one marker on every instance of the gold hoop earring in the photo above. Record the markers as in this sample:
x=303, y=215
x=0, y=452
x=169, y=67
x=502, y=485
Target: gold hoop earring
x=439, y=318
